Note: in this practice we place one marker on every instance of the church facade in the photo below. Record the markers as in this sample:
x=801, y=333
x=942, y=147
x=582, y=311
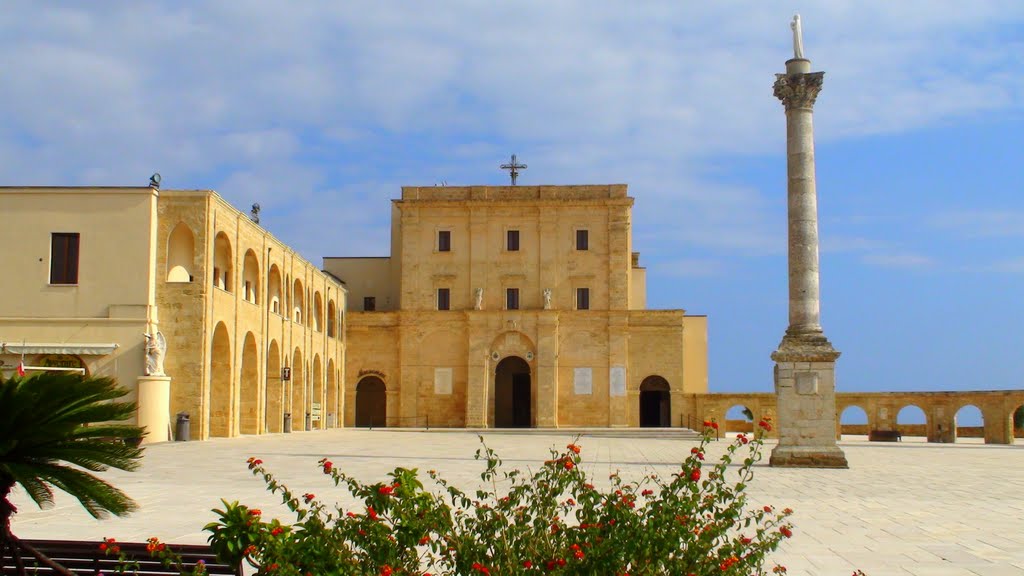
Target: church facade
x=514, y=306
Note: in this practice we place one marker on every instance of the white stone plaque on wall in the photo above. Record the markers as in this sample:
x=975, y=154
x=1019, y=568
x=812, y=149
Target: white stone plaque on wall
x=442, y=381
x=617, y=381
x=806, y=383
x=583, y=381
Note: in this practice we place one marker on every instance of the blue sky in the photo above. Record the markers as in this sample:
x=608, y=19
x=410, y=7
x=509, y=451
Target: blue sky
x=320, y=111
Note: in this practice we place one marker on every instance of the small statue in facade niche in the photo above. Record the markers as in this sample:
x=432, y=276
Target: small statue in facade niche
x=156, y=348
x=547, y=298
x=478, y=303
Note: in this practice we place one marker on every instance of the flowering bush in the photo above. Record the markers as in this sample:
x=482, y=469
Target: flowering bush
x=553, y=520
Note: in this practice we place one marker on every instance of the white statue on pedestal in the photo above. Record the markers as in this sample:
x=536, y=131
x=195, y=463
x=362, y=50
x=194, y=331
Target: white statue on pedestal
x=156, y=348
x=798, y=37
x=479, y=302
x=547, y=298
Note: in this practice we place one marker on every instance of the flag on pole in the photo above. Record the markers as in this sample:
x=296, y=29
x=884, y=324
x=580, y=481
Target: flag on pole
x=21, y=368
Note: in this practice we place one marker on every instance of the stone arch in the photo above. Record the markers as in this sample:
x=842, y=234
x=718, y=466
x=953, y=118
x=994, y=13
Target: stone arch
x=332, y=319
x=371, y=403
x=512, y=343
x=513, y=394
x=969, y=422
x=220, y=413
x=1017, y=422
x=181, y=249
x=909, y=426
x=251, y=277
x=223, y=263
x=249, y=387
x=274, y=289
x=331, y=409
x=318, y=392
x=739, y=418
x=298, y=399
x=853, y=420
x=274, y=395
x=318, y=312
x=298, y=302
x=655, y=402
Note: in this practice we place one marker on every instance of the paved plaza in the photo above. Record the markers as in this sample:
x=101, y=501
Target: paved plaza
x=906, y=508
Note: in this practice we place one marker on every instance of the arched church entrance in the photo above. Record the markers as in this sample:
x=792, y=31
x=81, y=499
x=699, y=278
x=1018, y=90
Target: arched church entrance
x=513, y=402
x=371, y=403
x=655, y=403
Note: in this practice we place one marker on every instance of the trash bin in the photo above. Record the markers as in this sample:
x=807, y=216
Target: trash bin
x=287, y=421
x=182, y=428
x=309, y=421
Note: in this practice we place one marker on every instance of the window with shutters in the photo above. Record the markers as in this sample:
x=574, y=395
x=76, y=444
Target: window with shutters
x=64, y=258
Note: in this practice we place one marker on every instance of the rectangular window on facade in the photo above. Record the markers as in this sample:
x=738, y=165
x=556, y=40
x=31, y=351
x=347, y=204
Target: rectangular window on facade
x=444, y=298
x=512, y=298
x=512, y=241
x=64, y=258
x=583, y=298
x=369, y=303
x=582, y=239
x=444, y=241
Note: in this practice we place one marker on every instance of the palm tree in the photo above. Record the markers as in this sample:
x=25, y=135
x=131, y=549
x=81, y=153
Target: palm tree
x=56, y=428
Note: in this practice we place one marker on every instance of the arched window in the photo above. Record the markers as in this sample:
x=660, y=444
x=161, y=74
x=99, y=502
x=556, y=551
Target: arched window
x=318, y=312
x=222, y=264
x=332, y=313
x=275, y=289
x=180, y=253
x=298, y=301
x=251, y=278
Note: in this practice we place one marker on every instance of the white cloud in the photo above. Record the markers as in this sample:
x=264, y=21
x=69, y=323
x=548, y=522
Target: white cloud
x=271, y=102
x=689, y=268
x=982, y=223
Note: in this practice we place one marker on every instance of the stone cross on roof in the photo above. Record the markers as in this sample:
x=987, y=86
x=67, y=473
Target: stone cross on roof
x=513, y=169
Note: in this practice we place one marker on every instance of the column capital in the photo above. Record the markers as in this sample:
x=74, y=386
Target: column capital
x=798, y=91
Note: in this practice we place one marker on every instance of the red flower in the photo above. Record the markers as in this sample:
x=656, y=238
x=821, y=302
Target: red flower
x=371, y=512
x=767, y=509
x=481, y=568
x=277, y=531
x=695, y=475
x=386, y=570
x=647, y=492
x=575, y=449
x=527, y=564
x=424, y=540
x=386, y=490
x=714, y=425
x=255, y=512
x=569, y=464
x=327, y=466
x=786, y=531
x=308, y=497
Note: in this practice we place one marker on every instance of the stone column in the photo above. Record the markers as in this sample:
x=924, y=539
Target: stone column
x=154, y=407
x=805, y=359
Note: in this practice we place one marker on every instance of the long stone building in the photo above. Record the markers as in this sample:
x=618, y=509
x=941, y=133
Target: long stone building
x=253, y=331
x=514, y=306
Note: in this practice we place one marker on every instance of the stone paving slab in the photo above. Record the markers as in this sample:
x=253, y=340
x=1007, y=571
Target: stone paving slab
x=901, y=509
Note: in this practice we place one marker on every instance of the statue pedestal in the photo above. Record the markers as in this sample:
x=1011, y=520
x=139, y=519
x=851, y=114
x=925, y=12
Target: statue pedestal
x=805, y=385
x=154, y=413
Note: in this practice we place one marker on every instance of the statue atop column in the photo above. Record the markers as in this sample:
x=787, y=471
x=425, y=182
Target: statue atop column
x=156, y=349
x=798, y=37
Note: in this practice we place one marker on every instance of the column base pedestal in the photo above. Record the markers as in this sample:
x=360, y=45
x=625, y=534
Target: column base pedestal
x=154, y=407
x=808, y=457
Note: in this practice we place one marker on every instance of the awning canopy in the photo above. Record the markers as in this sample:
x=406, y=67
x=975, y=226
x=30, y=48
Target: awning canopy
x=79, y=349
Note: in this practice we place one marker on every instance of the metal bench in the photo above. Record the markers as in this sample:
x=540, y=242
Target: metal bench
x=86, y=559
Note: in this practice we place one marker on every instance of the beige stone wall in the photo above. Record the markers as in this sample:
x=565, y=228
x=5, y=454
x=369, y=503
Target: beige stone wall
x=365, y=277
x=220, y=339
x=558, y=342
x=112, y=303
